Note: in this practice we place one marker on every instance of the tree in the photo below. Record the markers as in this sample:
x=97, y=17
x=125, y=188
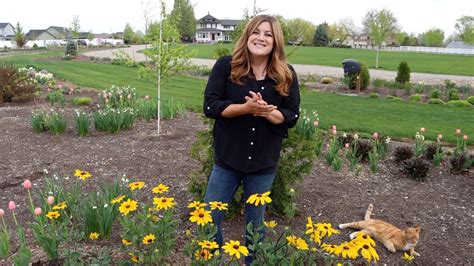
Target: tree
x=432, y=38
x=182, y=16
x=19, y=36
x=167, y=52
x=465, y=29
x=75, y=27
x=246, y=18
x=321, y=35
x=400, y=37
x=380, y=25
x=128, y=34
x=338, y=32
x=300, y=31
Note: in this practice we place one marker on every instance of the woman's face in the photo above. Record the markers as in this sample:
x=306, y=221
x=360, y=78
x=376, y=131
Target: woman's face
x=260, y=42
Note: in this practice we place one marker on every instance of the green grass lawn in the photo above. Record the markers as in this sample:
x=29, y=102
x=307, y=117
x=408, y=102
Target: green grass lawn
x=350, y=114
x=418, y=62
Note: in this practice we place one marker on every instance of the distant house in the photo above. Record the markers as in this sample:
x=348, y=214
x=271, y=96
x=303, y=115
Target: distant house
x=7, y=32
x=359, y=41
x=210, y=29
x=459, y=45
x=39, y=35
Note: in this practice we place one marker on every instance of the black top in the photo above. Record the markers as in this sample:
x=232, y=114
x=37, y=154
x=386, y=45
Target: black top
x=247, y=143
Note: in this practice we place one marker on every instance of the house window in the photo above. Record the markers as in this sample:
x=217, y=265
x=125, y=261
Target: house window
x=203, y=25
x=226, y=27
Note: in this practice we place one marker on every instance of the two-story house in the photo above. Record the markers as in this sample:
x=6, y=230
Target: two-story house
x=51, y=33
x=210, y=29
x=7, y=32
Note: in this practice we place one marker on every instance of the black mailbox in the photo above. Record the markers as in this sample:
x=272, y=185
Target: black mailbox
x=351, y=66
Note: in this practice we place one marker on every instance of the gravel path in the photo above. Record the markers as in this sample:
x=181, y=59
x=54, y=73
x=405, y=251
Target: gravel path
x=307, y=69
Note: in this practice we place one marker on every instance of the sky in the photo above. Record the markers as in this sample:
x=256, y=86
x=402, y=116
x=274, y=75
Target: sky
x=100, y=16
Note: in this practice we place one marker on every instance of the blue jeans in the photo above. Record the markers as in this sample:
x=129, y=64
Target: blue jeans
x=222, y=186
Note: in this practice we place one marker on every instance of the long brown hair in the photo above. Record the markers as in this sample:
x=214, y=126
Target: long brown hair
x=277, y=69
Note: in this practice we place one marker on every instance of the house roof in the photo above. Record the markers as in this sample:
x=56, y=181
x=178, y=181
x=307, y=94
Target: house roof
x=231, y=22
x=62, y=30
x=4, y=25
x=461, y=45
x=33, y=34
x=208, y=18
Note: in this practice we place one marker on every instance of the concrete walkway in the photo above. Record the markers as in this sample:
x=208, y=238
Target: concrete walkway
x=335, y=72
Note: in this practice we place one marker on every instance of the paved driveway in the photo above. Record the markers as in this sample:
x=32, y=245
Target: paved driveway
x=306, y=69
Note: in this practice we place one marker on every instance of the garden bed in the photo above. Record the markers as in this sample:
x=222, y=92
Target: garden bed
x=442, y=206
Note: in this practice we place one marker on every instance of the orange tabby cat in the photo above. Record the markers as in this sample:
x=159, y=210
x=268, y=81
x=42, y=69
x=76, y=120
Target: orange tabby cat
x=392, y=238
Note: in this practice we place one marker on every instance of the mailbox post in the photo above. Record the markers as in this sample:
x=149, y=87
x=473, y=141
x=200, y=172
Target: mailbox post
x=352, y=67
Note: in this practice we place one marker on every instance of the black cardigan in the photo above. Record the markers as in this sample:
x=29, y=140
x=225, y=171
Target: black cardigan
x=247, y=143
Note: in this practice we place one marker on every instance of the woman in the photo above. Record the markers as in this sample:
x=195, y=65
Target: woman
x=254, y=98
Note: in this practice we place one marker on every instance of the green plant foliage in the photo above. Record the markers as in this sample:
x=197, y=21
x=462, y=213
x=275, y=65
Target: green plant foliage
x=415, y=98
x=146, y=109
x=56, y=97
x=378, y=83
x=453, y=95
x=436, y=101
x=435, y=94
x=403, y=73
x=81, y=101
x=221, y=50
x=171, y=108
x=350, y=80
x=470, y=100
x=38, y=121
x=373, y=95
x=460, y=162
x=81, y=123
x=55, y=122
x=459, y=103
x=71, y=48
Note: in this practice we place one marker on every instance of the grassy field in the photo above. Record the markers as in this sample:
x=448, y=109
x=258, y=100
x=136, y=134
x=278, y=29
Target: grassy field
x=418, y=62
x=359, y=114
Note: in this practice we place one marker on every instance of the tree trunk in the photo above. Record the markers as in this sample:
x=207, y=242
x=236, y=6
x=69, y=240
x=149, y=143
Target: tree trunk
x=377, y=58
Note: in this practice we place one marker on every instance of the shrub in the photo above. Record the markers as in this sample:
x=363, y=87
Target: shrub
x=448, y=84
x=56, y=96
x=436, y=101
x=378, y=83
x=364, y=146
x=389, y=97
x=71, y=48
x=415, y=98
x=394, y=98
x=147, y=109
x=470, y=100
x=403, y=153
x=417, y=168
x=118, y=97
x=81, y=123
x=220, y=50
x=435, y=94
x=459, y=103
x=15, y=84
x=460, y=162
x=453, y=94
x=350, y=80
x=373, y=95
x=431, y=151
x=121, y=58
x=326, y=80
x=403, y=74
x=81, y=101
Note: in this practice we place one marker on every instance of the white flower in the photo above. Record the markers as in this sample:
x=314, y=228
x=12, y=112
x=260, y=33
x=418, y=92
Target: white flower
x=356, y=137
x=50, y=193
x=94, y=207
x=106, y=205
x=344, y=135
x=45, y=171
x=387, y=140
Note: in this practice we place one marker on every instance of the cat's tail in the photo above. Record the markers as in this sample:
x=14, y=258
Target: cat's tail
x=368, y=213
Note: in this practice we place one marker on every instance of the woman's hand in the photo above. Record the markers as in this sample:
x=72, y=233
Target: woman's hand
x=257, y=106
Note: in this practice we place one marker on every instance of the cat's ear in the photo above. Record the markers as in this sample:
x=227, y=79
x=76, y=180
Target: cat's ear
x=417, y=228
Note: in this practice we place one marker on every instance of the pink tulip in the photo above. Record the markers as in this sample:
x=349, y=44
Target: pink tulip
x=375, y=135
x=27, y=184
x=38, y=211
x=465, y=137
x=2, y=212
x=11, y=206
x=333, y=127
x=422, y=130
x=316, y=123
x=334, y=131
x=440, y=136
x=50, y=200
x=129, y=96
x=458, y=131
x=147, y=97
x=346, y=146
x=60, y=86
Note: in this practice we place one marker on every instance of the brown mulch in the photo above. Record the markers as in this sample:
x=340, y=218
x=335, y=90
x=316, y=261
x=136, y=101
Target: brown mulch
x=442, y=206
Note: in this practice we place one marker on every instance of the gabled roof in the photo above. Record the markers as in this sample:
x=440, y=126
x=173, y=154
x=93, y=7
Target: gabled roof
x=461, y=45
x=4, y=25
x=231, y=22
x=208, y=18
x=33, y=34
x=62, y=30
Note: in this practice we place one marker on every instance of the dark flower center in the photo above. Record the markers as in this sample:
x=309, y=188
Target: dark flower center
x=201, y=215
x=127, y=206
x=163, y=200
x=235, y=247
x=366, y=246
x=346, y=247
x=259, y=195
